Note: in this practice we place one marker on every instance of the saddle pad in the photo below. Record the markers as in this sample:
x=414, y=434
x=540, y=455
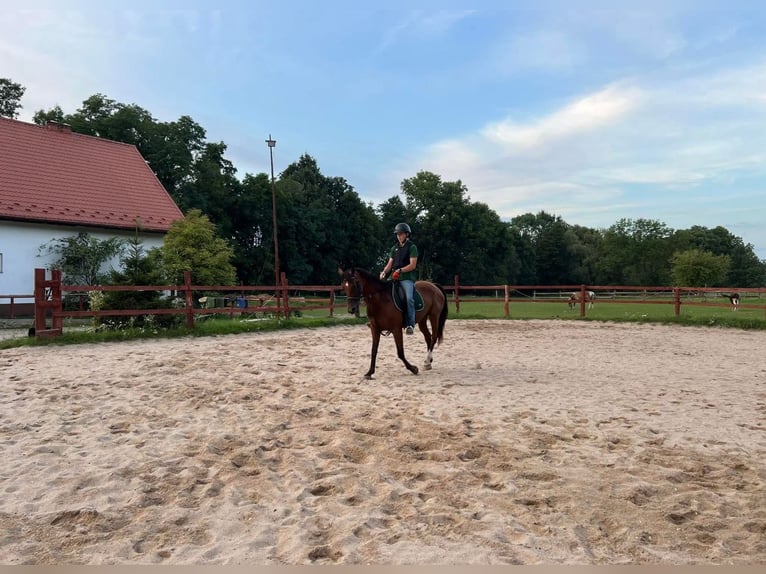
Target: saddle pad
x=399, y=301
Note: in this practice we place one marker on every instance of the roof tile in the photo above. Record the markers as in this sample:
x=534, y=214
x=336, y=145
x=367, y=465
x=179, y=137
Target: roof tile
x=49, y=174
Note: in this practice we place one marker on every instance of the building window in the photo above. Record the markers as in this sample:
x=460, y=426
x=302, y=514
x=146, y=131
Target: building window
x=1, y=262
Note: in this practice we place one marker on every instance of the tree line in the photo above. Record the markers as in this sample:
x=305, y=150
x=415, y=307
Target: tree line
x=322, y=220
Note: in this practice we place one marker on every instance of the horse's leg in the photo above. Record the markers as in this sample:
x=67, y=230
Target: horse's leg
x=374, y=350
x=399, y=338
x=428, y=336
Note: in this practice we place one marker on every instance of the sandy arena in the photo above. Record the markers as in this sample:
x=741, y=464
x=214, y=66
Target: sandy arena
x=530, y=442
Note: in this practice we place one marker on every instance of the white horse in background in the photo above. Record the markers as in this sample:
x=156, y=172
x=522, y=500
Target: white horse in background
x=574, y=299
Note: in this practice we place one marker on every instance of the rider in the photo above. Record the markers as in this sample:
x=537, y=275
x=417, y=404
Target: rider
x=404, y=260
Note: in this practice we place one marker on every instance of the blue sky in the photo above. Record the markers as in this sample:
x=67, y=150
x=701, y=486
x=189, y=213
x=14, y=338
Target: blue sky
x=594, y=111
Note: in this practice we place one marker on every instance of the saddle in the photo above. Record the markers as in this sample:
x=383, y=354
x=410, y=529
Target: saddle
x=400, y=301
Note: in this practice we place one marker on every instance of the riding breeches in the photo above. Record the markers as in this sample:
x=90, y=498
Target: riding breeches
x=409, y=291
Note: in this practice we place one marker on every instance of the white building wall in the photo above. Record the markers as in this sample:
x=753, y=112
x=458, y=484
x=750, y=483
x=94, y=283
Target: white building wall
x=20, y=251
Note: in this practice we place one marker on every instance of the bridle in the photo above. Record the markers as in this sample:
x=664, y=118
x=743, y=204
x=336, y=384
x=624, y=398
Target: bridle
x=356, y=298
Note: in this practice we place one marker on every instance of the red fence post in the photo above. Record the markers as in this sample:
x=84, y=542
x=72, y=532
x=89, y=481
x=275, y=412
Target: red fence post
x=285, y=296
x=43, y=305
x=582, y=300
x=332, y=301
x=457, y=295
x=41, y=302
x=677, y=300
x=57, y=303
x=188, y=299
x=507, y=302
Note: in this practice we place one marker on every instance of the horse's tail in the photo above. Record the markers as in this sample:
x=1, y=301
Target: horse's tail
x=439, y=335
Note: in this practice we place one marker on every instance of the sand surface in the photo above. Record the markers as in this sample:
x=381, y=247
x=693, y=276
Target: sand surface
x=530, y=442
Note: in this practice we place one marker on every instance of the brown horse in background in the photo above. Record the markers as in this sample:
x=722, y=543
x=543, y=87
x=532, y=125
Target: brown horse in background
x=360, y=284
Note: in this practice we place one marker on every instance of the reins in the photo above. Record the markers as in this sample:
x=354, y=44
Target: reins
x=380, y=288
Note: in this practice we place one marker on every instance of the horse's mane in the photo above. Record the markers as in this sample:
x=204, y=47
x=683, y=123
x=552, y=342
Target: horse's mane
x=370, y=278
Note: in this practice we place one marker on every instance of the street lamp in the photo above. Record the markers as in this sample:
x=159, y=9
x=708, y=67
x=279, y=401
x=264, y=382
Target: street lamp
x=271, y=143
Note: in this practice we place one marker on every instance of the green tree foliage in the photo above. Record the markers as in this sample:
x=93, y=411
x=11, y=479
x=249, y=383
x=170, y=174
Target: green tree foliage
x=551, y=244
x=322, y=222
x=698, y=268
x=137, y=269
x=82, y=257
x=746, y=270
x=454, y=235
x=584, y=245
x=636, y=252
x=252, y=239
x=170, y=148
x=192, y=244
x=10, y=98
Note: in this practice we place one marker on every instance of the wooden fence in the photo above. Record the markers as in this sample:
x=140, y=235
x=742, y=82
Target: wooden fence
x=49, y=308
x=15, y=306
x=662, y=295
x=50, y=313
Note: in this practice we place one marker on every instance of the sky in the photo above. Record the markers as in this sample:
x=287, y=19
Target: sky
x=594, y=111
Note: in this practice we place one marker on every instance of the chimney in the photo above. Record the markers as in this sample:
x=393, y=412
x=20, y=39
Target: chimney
x=58, y=127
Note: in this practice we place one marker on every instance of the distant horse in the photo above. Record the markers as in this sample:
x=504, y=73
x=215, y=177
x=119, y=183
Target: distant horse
x=734, y=300
x=385, y=316
x=574, y=299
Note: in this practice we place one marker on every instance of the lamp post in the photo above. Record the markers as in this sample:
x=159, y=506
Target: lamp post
x=271, y=143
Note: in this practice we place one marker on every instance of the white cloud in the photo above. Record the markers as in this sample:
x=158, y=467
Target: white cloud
x=627, y=150
x=419, y=24
x=593, y=111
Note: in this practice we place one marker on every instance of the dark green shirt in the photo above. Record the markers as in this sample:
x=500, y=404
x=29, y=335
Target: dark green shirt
x=401, y=255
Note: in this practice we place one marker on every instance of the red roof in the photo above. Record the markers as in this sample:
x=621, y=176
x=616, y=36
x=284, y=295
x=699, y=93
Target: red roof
x=50, y=175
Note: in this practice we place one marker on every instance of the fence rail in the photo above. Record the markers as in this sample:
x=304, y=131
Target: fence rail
x=13, y=303
x=277, y=301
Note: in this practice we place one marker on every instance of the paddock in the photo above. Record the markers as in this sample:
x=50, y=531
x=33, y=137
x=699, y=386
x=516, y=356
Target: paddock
x=523, y=445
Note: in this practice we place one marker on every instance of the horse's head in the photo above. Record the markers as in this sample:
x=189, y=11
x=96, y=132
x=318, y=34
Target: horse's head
x=351, y=288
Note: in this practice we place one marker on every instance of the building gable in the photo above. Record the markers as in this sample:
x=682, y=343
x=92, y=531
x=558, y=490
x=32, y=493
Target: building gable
x=48, y=174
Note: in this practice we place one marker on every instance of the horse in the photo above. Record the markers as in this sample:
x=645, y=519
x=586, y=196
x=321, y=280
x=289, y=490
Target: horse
x=734, y=300
x=574, y=299
x=383, y=314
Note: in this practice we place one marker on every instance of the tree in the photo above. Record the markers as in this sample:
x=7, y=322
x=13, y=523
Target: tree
x=553, y=246
x=191, y=244
x=170, y=148
x=584, y=247
x=137, y=269
x=697, y=268
x=10, y=98
x=322, y=222
x=636, y=252
x=746, y=269
x=82, y=257
x=251, y=231
x=454, y=235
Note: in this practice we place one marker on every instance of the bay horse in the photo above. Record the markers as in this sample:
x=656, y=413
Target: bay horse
x=383, y=314
x=574, y=299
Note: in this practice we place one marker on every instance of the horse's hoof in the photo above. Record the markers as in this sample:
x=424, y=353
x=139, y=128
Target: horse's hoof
x=427, y=366
x=414, y=370
x=368, y=377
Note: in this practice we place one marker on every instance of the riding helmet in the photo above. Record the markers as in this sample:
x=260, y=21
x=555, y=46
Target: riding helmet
x=402, y=228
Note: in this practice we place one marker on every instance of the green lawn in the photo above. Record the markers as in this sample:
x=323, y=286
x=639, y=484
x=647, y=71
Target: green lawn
x=607, y=310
